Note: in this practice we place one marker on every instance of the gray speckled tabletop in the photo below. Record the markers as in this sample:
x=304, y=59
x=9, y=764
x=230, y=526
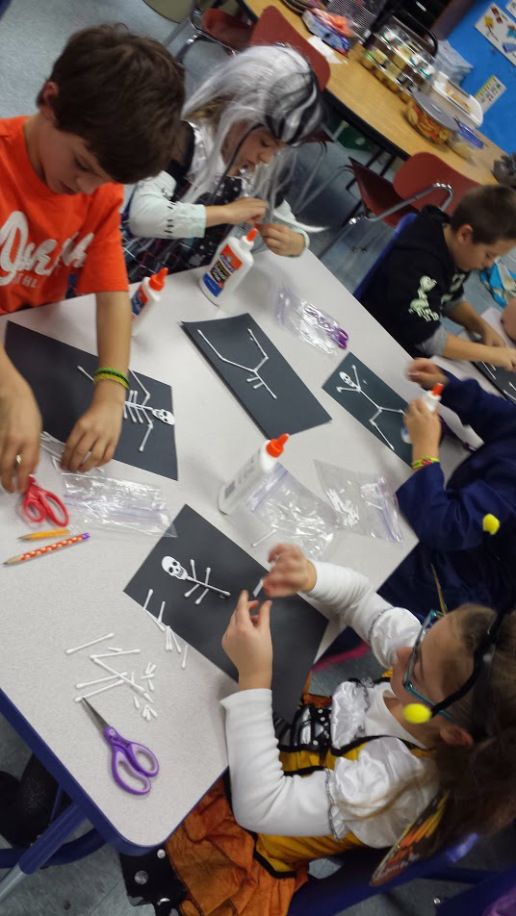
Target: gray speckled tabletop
x=76, y=595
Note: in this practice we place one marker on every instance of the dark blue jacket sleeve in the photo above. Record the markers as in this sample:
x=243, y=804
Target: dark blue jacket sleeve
x=452, y=520
x=488, y=414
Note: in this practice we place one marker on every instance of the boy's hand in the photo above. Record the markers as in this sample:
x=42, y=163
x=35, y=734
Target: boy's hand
x=282, y=240
x=291, y=572
x=490, y=337
x=243, y=210
x=425, y=373
x=247, y=642
x=20, y=431
x=94, y=438
x=424, y=429
x=504, y=357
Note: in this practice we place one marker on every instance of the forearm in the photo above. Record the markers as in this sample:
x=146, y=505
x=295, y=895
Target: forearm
x=274, y=803
x=113, y=337
x=284, y=215
x=484, y=412
x=153, y=215
x=453, y=519
x=9, y=375
x=463, y=313
x=350, y=595
x=216, y=216
x=458, y=348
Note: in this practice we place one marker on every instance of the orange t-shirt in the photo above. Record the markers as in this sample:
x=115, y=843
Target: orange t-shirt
x=46, y=237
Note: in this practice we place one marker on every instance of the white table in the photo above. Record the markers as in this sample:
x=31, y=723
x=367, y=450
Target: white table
x=55, y=603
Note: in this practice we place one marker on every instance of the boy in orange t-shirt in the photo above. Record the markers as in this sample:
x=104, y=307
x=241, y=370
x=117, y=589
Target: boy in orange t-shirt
x=108, y=113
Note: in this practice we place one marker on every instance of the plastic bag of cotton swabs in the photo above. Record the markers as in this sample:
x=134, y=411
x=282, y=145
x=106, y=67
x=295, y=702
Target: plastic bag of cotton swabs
x=120, y=504
x=290, y=511
x=363, y=503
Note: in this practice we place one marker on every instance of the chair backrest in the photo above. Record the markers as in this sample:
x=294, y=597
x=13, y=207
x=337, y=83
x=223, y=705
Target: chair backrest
x=421, y=171
x=365, y=281
x=272, y=28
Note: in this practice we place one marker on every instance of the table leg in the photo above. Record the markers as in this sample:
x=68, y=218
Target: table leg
x=43, y=849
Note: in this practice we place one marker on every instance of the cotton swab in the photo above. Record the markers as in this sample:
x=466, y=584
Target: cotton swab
x=92, y=642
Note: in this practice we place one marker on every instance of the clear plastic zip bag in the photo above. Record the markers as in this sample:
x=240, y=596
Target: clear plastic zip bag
x=363, y=503
x=290, y=511
x=120, y=504
x=309, y=322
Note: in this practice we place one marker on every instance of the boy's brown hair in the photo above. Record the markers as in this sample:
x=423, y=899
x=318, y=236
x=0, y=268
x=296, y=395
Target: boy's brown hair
x=122, y=93
x=491, y=212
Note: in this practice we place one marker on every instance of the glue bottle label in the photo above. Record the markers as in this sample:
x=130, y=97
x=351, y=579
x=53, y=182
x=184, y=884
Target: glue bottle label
x=245, y=475
x=138, y=301
x=225, y=266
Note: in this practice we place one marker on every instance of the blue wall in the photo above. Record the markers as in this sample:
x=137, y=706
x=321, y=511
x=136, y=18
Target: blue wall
x=500, y=121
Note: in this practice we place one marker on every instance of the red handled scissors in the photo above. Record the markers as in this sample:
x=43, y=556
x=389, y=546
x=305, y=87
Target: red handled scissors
x=39, y=505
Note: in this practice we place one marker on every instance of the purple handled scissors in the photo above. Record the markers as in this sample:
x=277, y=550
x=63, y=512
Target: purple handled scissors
x=39, y=504
x=127, y=757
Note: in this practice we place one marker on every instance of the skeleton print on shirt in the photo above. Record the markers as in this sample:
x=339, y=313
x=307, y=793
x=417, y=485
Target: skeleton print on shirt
x=420, y=306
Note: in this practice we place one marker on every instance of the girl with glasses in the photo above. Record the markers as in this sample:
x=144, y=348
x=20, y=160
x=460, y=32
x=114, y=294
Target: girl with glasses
x=352, y=770
x=230, y=165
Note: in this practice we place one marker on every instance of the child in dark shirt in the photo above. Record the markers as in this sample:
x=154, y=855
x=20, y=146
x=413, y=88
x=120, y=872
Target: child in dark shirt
x=471, y=564
x=422, y=278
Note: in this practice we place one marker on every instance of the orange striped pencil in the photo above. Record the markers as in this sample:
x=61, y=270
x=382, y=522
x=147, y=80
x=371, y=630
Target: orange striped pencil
x=48, y=548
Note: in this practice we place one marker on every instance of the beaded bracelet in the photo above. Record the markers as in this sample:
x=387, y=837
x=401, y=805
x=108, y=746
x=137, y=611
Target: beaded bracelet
x=424, y=462
x=102, y=370
x=111, y=377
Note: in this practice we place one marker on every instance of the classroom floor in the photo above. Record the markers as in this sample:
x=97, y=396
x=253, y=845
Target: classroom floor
x=31, y=36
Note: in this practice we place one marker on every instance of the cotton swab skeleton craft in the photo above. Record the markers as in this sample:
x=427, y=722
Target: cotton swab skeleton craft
x=255, y=378
x=142, y=412
x=356, y=386
x=173, y=568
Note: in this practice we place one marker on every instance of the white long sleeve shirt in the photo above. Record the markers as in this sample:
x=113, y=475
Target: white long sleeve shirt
x=266, y=800
x=154, y=214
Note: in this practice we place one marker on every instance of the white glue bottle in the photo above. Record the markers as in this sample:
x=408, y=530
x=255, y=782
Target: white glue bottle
x=250, y=474
x=229, y=266
x=148, y=292
x=431, y=400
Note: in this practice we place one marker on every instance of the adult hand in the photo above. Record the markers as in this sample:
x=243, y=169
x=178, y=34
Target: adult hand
x=244, y=210
x=93, y=440
x=291, y=572
x=490, y=337
x=424, y=429
x=282, y=240
x=20, y=431
x=425, y=373
x=247, y=642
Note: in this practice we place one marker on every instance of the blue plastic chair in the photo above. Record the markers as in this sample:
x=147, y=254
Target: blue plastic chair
x=364, y=283
x=350, y=884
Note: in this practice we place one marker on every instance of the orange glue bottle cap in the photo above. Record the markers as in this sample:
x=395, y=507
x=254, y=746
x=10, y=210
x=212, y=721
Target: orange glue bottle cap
x=437, y=390
x=251, y=235
x=157, y=281
x=274, y=447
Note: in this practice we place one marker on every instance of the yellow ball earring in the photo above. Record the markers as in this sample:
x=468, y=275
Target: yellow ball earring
x=416, y=713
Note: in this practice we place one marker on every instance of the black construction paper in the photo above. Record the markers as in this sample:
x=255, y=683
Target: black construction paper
x=352, y=384
x=502, y=379
x=63, y=393
x=265, y=384
x=297, y=628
